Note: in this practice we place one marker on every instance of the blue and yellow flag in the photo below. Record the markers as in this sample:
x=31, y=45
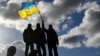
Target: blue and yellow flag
x=27, y=9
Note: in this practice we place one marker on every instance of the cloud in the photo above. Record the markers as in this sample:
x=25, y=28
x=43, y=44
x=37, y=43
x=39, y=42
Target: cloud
x=8, y=35
x=11, y=11
x=87, y=5
x=64, y=26
x=53, y=13
x=19, y=46
x=17, y=1
x=1, y=46
x=90, y=27
x=3, y=2
x=69, y=42
x=93, y=41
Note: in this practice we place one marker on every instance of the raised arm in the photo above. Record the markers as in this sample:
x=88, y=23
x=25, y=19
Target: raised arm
x=57, y=39
x=43, y=26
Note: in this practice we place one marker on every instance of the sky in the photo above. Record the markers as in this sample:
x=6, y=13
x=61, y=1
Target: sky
x=77, y=23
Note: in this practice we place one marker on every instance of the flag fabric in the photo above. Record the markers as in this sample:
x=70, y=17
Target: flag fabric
x=27, y=9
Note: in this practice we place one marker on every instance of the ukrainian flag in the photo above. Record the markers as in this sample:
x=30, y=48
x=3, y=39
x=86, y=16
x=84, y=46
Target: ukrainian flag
x=27, y=9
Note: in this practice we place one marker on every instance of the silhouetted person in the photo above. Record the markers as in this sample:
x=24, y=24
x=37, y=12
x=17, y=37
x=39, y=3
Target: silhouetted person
x=11, y=51
x=34, y=53
x=40, y=40
x=28, y=39
x=52, y=40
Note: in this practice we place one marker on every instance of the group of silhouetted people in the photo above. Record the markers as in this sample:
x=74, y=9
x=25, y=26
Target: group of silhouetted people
x=40, y=37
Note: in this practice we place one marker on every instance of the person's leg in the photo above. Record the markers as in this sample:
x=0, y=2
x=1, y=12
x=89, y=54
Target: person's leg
x=39, y=50
x=26, y=49
x=31, y=47
x=55, y=50
x=50, y=50
x=44, y=50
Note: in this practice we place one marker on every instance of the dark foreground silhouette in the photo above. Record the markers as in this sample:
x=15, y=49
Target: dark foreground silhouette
x=11, y=51
x=40, y=40
x=52, y=40
x=34, y=53
x=27, y=37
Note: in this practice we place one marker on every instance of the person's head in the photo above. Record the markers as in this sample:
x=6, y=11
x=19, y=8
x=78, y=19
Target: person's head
x=38, y=25
x=29, y=25
x=50, y=26
x=11, y=51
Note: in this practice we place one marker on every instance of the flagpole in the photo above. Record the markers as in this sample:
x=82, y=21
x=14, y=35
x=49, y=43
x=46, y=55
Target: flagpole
x=40, y=16
x=39, y=13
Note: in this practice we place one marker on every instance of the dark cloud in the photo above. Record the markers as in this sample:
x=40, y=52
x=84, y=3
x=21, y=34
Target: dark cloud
x=54, y=13
x=63, y=7
x=3, y=2
x=71, y=40
x=12, y=11
x=90, y=26
x=95, y=18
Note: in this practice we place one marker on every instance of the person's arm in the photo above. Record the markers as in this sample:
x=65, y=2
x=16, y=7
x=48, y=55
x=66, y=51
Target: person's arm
x=57, y=40
x=43, y=26
x=44, y=30
x=24, y=36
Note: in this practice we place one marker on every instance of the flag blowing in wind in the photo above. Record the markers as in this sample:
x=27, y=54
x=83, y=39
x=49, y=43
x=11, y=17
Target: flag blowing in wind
x=27, y=9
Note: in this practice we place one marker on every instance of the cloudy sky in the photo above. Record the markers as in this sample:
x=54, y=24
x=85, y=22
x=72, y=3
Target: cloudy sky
x=77, y=23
